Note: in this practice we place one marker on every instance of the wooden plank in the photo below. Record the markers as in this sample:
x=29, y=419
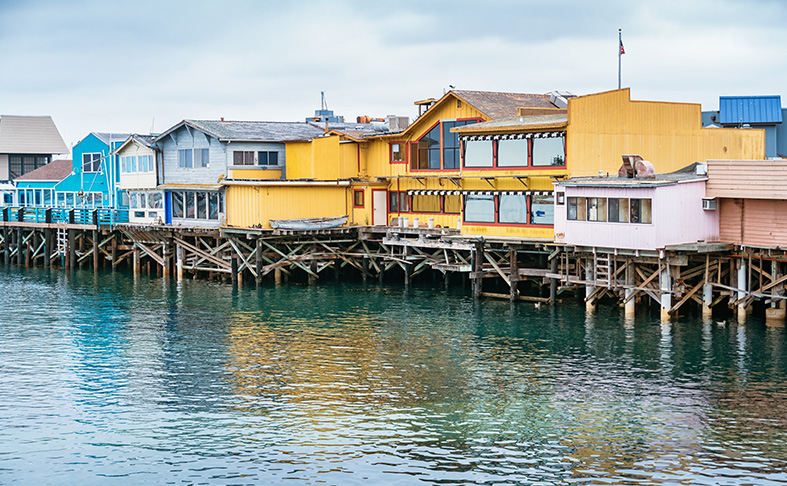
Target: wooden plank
x=206, y=256
x=686, y=297
x=519, y=297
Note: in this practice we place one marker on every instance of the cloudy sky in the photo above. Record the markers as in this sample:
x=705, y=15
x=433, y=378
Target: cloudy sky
x=98, y=65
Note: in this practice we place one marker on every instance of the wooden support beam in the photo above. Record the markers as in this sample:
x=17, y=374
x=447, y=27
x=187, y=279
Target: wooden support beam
x=204, y=255
x=519, y=297
x=686, y=297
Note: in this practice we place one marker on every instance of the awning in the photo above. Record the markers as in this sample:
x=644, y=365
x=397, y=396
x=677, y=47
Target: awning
x=484, y=193
x=512, y=136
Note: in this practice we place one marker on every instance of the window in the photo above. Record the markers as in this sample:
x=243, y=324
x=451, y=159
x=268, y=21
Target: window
x=438, y=148
x=480, y=208
x=597, y=209
x=188, y=158
x=91, y=162
x=576, y=209
x=404, y=202
x=426, y=204
x=398, y=155
x=268, y=158
x=185, y=158
x=22, y=164
x=513, y=153
x=358, y=198
x=542, y=209
x=393, y=202
x=452, y=204
x=641, y=211
x=513, y=209
x=614, y=210
x=478, y=153
x=242, y=158
x=618, y=210
x=548, y=152
x=202, y=205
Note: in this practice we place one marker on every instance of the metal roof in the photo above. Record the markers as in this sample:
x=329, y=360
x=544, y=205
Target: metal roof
x=30, y=135
x=735, y=110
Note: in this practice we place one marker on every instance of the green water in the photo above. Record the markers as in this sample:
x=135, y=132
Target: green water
x=112, y=379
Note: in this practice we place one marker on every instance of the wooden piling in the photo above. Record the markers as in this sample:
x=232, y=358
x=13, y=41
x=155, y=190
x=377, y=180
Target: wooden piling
x=259, y=262
x=234, y=270
x=513, y=276
x=553, y=282
x=71, y=261
x=6, y=247
x=478, y=268
x=95, y=250
x=47, y=247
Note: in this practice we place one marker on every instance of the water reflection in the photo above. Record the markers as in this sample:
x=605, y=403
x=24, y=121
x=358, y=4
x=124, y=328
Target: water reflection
x=136, y=379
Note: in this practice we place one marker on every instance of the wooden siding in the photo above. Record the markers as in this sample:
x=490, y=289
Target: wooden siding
x=256, y=205
x=748, y=179
x=323, y=159
x=192, y=139
x=604, y=126
x=753, y=222
x=137, y=180
x=259, y=173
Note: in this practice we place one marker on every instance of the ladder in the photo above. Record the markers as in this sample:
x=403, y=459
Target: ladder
x=62, y=241
x=602, y=270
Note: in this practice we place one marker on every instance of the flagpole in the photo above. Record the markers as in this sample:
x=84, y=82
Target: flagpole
x=620, y=43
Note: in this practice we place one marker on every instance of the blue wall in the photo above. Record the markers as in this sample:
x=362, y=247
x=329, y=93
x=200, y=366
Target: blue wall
x=88, y=182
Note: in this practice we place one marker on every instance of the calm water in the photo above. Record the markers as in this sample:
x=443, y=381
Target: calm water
x=108, y=380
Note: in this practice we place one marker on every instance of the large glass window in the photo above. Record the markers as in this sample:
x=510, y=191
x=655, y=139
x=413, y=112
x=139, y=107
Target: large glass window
x=542, y=209
x=438, y=148
x=548, y=152
x=393, y=202
x=576, y=209
x=204, y=205
x=512, y=153
x=479, y=208
x=213, y=210
x=91, y=162
x=597, y=209
x=478, y=153
x=513, y=209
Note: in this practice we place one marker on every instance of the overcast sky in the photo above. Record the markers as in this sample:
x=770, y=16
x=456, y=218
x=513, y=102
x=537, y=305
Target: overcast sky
x=99, y=65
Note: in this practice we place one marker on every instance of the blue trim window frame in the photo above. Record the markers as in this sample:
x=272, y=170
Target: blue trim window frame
x=201, y=205
x=91, y=162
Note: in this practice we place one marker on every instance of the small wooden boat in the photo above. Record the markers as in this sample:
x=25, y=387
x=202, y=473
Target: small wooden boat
x=308, y=223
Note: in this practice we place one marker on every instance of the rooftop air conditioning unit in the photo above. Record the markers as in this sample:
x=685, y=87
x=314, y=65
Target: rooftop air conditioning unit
x=398, y=123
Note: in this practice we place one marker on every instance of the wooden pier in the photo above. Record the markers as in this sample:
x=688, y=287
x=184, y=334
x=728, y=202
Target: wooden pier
x=707, y=275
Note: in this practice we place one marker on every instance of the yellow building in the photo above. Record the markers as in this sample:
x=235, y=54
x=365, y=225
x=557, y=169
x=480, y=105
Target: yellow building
x=481, y=161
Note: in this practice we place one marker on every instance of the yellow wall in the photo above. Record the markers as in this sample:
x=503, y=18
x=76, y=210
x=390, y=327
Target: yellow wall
x=255, y=205
x=324, y=159
x=263, y=174
x=604, y=126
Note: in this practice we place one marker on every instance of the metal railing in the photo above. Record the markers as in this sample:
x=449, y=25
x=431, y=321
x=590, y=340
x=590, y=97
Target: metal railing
x=99, y=216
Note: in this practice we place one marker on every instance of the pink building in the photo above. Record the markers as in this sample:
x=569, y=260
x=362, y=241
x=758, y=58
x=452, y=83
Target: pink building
x=636, y=213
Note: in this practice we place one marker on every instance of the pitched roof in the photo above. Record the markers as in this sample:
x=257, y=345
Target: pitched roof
x=503, y=105
x=734, y=110
x=30, y=135
x=57, y=170
x=111, y=137
x=146, y=140
x=252, y=131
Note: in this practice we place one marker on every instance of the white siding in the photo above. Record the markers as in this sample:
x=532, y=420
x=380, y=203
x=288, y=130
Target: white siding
x=137, y=180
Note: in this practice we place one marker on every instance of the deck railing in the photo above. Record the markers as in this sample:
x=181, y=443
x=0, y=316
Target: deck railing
x=99, y=216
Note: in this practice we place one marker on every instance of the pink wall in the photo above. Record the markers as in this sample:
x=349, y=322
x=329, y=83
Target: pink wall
x=678, y=218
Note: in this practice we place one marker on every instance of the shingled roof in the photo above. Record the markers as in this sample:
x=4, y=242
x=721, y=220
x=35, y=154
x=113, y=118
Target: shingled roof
x=253, y=131
x=503, y=105
x=57, y=170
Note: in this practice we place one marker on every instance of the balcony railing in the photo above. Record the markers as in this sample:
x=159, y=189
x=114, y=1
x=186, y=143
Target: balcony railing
x=100, y=216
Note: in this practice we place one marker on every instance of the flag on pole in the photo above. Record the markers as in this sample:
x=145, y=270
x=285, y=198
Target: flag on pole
x=622, y=51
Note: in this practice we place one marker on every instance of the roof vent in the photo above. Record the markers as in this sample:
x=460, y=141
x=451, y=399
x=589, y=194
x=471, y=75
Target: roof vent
x=635, y=166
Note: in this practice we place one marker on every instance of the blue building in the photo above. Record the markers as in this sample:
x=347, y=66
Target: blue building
x=95, y=174
x=763, y=112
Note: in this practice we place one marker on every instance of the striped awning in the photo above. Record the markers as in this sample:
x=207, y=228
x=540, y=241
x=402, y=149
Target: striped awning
x=512, y=136
x=483, y=193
